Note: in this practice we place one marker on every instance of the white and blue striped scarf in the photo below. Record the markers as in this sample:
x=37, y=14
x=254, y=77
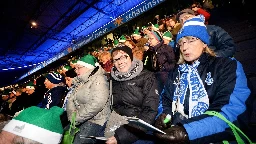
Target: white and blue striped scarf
x=198, y=97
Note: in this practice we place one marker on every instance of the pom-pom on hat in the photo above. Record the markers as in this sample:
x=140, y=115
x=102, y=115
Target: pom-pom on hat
x=194, y=27
x=38, y=124
x=30, y=85
x=125, y=49
x=167, y=35
x=88, y=61
x=54, y=77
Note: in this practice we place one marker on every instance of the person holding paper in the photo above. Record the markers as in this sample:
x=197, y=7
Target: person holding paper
x=201, y=83
x=89, y=99
x=135, y=94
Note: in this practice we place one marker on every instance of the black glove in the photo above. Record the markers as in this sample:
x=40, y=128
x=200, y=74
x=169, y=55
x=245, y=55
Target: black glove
x=160, y=122
x=175, y=134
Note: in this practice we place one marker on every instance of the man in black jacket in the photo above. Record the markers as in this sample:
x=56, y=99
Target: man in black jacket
x=54, y=82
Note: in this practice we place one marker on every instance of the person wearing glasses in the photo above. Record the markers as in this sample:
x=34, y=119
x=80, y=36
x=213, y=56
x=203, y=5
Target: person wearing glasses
x=135, y=94
x=89, y=99
x=203, y=82
x=220, y=41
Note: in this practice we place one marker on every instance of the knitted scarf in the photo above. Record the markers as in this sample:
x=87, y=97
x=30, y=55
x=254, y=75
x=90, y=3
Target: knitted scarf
x=134, y=70
x=198, y=97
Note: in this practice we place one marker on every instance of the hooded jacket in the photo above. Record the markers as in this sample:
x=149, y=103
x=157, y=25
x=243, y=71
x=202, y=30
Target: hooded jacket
x=90, y=98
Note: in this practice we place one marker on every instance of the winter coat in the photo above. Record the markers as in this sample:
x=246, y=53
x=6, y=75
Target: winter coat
x=221, y=42
x=227, y=94
x=90, y=98
x=134, y=96
x=53, y=97
x=159, y=58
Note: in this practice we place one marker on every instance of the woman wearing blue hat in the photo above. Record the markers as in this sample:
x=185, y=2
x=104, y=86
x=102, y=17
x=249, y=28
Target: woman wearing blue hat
x=203, y=93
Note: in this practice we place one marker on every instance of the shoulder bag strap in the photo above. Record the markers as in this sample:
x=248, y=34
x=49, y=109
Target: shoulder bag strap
x=234, y=128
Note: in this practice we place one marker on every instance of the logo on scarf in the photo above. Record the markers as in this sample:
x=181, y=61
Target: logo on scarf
x=209, y=79
x=199, y=109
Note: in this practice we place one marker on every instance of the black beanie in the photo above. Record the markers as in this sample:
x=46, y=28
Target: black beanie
x=124, y=48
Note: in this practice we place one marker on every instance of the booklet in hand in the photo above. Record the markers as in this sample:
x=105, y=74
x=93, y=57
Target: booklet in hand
x=143, y=124
x=94, y=137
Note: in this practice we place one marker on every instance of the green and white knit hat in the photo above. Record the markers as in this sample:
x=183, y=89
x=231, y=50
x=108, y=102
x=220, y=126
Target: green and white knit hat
x=116, y=42
x=122, y=39
x=74, y=61
x=30, y=85
x=66, y=67
x=6, y=92
x=136, y=32
x=167, y=35
x=156, y=27
x=88, y=61
x=38, y=124
x=144, y=27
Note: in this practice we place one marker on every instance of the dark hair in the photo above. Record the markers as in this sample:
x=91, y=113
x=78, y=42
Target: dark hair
x=71, y=73
x=123, y=48
x=196, y=4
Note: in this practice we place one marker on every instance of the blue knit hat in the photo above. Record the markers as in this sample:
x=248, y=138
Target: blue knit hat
x=194, y=27
x=54, y=77
x=157, y=35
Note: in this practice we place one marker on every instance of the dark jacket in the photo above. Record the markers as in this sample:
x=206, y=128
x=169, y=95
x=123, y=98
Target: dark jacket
x=159, y=58
x=227, y=94
x=221, y=42
x=53, y=97
x=135, y=97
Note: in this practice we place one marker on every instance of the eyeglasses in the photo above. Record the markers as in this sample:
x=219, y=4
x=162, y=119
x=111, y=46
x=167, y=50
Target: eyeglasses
x=122, y=58
x=189, y=40
x=78, y=68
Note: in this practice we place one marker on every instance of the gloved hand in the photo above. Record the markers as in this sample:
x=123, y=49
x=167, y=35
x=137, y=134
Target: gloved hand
x=160, y=122
x=175, y=134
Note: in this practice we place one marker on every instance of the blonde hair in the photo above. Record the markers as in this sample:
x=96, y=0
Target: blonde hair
x=206, y=50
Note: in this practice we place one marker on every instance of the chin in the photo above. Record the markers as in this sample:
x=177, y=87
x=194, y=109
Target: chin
x=123, y=70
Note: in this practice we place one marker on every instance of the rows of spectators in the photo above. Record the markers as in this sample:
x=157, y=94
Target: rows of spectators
x=181, y=66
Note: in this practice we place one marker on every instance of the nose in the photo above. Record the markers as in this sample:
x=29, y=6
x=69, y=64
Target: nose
x=185, y=46
x=119, y=62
